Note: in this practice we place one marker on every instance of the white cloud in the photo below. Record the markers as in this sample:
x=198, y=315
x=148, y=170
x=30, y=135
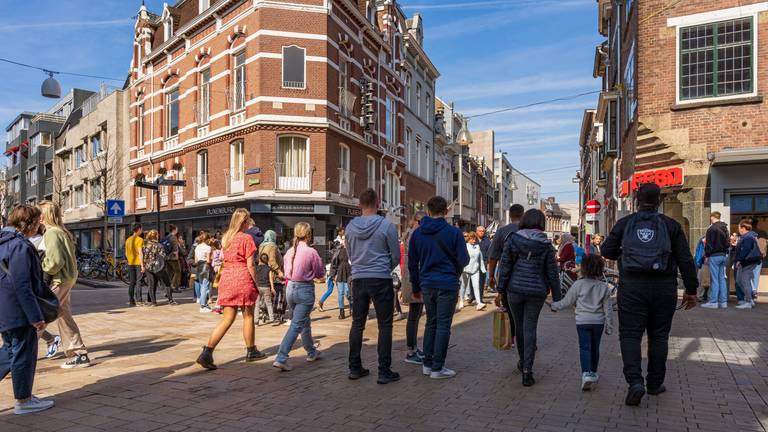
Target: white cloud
x=66, y=24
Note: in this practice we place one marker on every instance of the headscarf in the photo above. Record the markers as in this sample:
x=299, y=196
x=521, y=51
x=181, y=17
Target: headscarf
x=565, y=239
x=270, y=237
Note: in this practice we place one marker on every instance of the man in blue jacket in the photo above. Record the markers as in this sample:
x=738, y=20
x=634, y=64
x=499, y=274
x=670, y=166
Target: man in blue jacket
x=436, y=257
x=748, y=256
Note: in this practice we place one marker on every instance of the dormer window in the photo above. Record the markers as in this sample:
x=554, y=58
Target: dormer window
x=167, y=29
x=370, y=12
x=204, y=4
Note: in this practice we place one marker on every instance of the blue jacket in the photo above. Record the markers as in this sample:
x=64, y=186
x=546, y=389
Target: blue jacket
x=698, y=258
x=20, y=288
x=528, y=267
x=747, y=252
x=428, y=265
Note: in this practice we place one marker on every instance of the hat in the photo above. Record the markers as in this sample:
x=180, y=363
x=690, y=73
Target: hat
x=648, y=194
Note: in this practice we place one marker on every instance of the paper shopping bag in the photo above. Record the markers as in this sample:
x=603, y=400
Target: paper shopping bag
x=502, y=336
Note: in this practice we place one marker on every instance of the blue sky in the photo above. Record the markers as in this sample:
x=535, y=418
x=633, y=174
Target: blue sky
x=491, y=53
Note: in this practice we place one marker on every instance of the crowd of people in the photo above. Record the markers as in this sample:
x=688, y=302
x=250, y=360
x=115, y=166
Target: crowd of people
x=432, y=267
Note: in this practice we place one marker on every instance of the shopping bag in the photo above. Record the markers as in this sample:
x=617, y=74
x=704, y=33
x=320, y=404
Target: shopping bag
x=502, y=336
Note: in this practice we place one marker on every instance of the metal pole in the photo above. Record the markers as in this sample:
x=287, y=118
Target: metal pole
x=114, y=251
x=157, y=209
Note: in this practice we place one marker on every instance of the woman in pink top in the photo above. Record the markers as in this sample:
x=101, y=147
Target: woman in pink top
x=302, y=266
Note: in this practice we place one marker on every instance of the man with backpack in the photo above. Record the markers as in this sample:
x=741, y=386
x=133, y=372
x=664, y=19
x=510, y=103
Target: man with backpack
x=650, y=248
x=171, y=245
x=437, y=256
x=716, y=246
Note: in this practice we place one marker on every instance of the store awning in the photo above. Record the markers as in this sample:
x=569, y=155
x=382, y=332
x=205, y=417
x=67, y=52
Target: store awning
x=740, y=157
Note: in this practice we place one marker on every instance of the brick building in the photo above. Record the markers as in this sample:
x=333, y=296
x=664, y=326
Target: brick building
x=287, y=109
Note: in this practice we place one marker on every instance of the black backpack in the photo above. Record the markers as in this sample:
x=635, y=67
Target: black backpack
x=646, y=245
x=166, y=244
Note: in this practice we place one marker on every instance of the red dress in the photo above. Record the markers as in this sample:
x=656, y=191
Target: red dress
x=236, y=287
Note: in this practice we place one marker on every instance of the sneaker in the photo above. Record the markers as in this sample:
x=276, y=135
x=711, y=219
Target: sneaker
x=740, y=302
x=205, y=309
x=635, y=395
x=172, y=303
x=723, y=305
x=481, y=306
x=317, y=354
x=387, y=376
x=594, y=377
x=426, y=370
x=399, y=317
x=33, y=405
x=53, y=347
x=460, y=306
x=443, y=373
x=745, y=305
x=287, y=322
x=416, y=357
x=709, y=305
x=586, y=384
x=657, y=390
x=356, y=374
x=78, y=361
x=284, y=367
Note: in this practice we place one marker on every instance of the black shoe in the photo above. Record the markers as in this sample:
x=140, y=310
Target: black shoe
x=132, y=304
x=342, y=315
x=387, y=376
x=358, y=373
x=205, y=359
x=253, y=355
x=635, y=394
x=656, y=390
x=528, y=379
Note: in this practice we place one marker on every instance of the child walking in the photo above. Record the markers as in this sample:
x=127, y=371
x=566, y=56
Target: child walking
x=594, y=314
x=265, y=282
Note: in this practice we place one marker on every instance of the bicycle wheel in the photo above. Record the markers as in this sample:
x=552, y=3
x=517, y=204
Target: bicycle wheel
x=122, y=272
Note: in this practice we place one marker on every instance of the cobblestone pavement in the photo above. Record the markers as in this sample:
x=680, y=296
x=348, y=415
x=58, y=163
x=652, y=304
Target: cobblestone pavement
x=144, y=379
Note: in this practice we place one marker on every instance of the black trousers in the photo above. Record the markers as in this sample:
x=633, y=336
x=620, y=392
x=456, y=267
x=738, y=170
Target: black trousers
x=154, y=279
x=646, y=308
x=525, y=311
x=412, y=326
x=381, y=292
x=134, y=274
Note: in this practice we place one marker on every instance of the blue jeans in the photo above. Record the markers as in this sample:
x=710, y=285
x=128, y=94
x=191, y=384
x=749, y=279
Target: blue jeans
x=203, y=288
x=440, y=305
x=328, y=292
x=197, y=289
x=758, y=269
x=589, y=345
x=18, y=355
x=343, y=291
x=718, y=291
x=301, y=299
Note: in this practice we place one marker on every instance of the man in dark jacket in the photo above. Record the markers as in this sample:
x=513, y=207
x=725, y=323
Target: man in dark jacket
x=436, y=256
x=494, y=255
x=716, y=246
x=647, y=300
x=748, y=257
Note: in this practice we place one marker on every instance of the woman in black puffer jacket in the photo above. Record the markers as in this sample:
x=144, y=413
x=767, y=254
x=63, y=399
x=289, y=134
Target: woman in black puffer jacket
x=528, y=271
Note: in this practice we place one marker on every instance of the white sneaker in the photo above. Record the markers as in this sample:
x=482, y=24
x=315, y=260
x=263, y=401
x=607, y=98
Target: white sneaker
x=723, y=305
x=33, y=405
x=586, y=384
x=481, y=306
x=314, y=356
x=282, y=366
x=746, y=305
x=426, y=370
x=205, y=309
x=709, y=305
x=460, y=306
x=443, y=373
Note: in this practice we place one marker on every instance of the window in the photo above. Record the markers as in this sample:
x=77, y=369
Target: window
x=392, y=190
x=96, y=190
x=371, y=172
x=408, y=89
x=96, y=146
x=294, y=67
x=428, y=100
x=370, y=12
x=66, y=163
x=32, y=177
x=237, y=166
x=391, y=120
x=427, y=162
x=418, y=99
x=66, y=202
x=293, y=163
x=630, y=98
x=205, y=97
x=239, y=80
x=140, y=137
x=417, y=159
x=628, y=8
x=202, y=172
x=172, y=110
x=716, y=59
x=167, y=29
x=203, y=5
x=412, y=156
x=345, y=176
x=79, y=157
x=79, y=196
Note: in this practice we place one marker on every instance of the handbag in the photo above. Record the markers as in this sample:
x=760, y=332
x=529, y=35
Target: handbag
x=502, y=334
x=47, y=300
x=217, y=279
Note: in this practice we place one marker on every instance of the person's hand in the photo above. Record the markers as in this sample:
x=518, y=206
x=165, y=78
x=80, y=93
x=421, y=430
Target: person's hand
x=497, y=301
x=39, y=326
x=738, y=265
x=706, y=260
x=142, y=269
x=280, y=274
x=689, y=301
x=274, y=293
x=418, y=297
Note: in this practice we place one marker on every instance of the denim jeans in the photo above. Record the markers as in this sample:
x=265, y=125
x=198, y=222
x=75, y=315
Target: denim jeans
x=471, y=282
x=440, y=305
x=589, y=345
x=18, y=355
x=718, y=291
x=745, y=277
x=328, y=291
x=301, y=298
x=756, y=286
x=134, y=273
x=525, y=311
x=342, y=289
x=197, y=289
x=204, y=287
x=382, y=293
x=412, y=327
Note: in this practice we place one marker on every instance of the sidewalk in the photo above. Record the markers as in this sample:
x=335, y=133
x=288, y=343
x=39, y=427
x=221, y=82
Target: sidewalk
x=144, y=379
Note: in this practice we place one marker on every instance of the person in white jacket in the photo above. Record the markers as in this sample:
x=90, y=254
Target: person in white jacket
x=472, y=271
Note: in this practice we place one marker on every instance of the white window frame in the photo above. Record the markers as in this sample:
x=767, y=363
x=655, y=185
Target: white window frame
x=282, y=68
x=79, y=160
x=167, y=29
x=202, y=5
x=345, y=172
x=390, y=124
x=32, y=177
x=237, y=70
x=101, y=145
x=418, y=99
x=294, y=182
x=237, y=173
x=428, y=104
x=204, y=108
x=168, y=133
x=140, y=133
x=711, y=17
x=99, y=188
x=81, y=187
x=371, y=165
x=178, y=194
x=202, y=175
x=409, y=89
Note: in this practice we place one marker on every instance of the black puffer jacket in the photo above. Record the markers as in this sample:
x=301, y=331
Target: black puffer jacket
x=528, y=265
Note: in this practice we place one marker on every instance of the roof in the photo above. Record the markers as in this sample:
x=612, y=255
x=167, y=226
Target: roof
x=27, y=114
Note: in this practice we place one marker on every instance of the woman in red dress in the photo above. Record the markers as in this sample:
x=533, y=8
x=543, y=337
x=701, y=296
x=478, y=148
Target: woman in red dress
x=237, y=288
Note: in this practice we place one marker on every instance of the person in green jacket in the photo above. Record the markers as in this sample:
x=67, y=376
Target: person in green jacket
x=59, y=262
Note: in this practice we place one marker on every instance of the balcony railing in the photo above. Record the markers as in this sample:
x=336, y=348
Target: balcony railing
x=141, y=202
x=346, y=182
x=291, y=179
x=48, y=187
x=201, y=187
x=293, y=84
x=346, y=101
x=171, y=143
x=203, y=131
x=237, y=119
x=140, y=152
x=178, y=196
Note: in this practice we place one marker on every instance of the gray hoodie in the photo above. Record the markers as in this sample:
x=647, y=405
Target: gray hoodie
x=373, y=247
x=593, y=303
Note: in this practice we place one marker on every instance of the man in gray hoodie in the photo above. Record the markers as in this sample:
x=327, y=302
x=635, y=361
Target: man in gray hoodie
x=374, y=250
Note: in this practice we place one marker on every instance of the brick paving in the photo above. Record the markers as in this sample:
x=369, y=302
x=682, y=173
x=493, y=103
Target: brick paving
x=144, y=379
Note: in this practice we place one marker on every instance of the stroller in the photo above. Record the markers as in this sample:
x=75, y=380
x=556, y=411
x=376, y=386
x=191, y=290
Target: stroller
x=279, y=306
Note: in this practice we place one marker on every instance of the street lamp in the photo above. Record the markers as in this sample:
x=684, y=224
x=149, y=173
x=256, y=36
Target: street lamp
x=50, y=88
x=464, y=137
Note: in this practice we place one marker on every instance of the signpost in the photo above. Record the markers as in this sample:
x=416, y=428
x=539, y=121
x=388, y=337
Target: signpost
x=115, y=214
x=161, y=181
x=592, y=208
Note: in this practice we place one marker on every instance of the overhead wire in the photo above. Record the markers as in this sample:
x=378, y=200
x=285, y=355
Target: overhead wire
x=56, y=72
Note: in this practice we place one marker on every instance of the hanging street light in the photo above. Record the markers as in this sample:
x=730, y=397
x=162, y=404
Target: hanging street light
x=50, y=88
x=464, y=138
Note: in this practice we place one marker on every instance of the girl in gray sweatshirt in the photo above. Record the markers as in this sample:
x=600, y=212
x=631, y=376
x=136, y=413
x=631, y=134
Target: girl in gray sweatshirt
x=594, y=315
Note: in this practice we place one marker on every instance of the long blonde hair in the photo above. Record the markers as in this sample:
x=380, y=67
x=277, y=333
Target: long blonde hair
x=302, y=231
x=51, y=214
x=239, y=218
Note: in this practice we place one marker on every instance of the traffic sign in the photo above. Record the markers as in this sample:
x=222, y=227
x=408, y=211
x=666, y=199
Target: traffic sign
x=592, y=207
x=115, y=219
x=591, y=217
x=115, y=208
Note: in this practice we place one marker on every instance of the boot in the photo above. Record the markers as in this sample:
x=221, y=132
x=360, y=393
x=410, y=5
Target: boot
x=320, y=307
x=342, y=315
x=528, y=379
x=253, y=354
x=205, y=359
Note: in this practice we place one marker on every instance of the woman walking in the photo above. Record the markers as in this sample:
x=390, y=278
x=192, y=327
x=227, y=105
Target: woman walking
x=302, y=266
x=155, y=266
x=237, y=289
x=342, y=270
x=472, y=271
x=415, y=306
x=270, y=248
x=60, y=264
x=203, y=259
x=528, y=262
x=566, y=255
x=20, y=316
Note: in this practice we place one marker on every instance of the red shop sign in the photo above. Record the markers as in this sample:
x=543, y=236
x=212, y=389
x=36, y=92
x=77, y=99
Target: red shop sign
x=665, y=178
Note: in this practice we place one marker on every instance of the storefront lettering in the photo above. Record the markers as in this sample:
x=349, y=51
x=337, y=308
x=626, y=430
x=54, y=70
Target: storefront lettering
x=293, y=208
x=665, y=178
x=220, y=211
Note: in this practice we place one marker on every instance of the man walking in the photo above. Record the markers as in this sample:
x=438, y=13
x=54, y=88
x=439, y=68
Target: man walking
x=375, y=251
x=651, y=248
x=716, y=244
x=485, y=246
x=172, y=260
x=436, y=257
x=494, y=255
x=135, y=257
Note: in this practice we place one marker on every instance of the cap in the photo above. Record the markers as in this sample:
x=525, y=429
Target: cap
x=648, y=194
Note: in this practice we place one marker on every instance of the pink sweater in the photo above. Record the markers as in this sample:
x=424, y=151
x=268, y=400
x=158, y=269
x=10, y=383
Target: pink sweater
x=306, y=267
